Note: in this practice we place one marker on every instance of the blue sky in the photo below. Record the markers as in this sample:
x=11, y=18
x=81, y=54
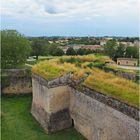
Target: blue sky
x=71, y=17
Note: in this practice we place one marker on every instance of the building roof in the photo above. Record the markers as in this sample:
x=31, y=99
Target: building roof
x=91, y=46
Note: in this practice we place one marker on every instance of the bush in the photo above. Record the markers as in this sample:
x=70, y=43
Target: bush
x=99, y=65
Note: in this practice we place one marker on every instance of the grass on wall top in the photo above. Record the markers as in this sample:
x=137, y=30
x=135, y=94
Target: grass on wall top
x=114, y=86
x=115, y=67
x=98, y=80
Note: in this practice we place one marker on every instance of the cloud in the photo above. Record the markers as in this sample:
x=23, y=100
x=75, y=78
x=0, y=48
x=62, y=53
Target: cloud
x=70, y=9
x=71, y=17
x=51, y=10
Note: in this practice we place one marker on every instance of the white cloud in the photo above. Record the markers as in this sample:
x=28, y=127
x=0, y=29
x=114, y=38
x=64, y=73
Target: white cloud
x=60, y=9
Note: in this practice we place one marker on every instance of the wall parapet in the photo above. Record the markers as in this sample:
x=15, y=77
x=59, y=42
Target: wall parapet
x=16, y=81
x=60, y=81
x=123, y=107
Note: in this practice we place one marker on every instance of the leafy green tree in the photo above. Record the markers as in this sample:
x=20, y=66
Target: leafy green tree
x=39, y=47
x=70, y=51
x=51, y=49
x=110, y=48
x=15, y=49
x=120, y=51
x=81, y=51
x=132, y=52
x=58, y=52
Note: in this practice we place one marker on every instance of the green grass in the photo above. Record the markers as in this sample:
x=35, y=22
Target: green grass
x=18, y=123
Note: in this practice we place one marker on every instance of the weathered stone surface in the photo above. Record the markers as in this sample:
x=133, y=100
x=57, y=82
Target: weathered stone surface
x=50, y=106
x=40, y=115
x=129, y=110
x=60, y=81
x=95, y=115
x=51, y=122
x=98, y=121
x=16, y=81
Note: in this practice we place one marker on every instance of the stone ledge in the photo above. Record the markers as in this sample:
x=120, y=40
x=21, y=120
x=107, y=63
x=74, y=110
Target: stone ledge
x=60, y=81
x=123, y=107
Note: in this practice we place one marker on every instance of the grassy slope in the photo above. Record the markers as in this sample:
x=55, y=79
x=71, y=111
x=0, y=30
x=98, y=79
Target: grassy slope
x=18, y=123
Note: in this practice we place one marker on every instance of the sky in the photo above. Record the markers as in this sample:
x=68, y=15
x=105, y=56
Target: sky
x=71, y=17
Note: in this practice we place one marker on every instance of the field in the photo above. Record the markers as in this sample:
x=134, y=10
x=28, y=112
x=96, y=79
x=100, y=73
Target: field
x=18, y=123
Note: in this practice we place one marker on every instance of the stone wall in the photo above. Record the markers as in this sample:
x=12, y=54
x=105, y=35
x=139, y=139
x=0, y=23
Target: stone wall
x=96, y=120
x=127, y=61
x=16, y=81
x=58, y=103
x=50, y=105
x=126, y=75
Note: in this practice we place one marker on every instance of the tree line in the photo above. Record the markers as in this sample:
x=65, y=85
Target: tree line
x=16, y=48
x=115, y=50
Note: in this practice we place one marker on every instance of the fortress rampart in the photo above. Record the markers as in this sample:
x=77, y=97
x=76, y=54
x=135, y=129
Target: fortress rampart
x=60, y=104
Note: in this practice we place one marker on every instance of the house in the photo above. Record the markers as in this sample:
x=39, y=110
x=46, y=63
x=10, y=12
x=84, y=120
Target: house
x=76, y=47
x=130, y=44
x=91, y=47
x=127, y=44
x=137, y=43
x=127, y=61
x=50, y=42
x=103, y=42
x=64, y=48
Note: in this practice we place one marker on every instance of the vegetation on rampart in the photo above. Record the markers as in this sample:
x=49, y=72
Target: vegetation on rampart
x=116, y=68
x=98, y=80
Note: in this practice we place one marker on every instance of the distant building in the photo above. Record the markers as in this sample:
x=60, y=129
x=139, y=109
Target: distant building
x=92, y=47
x=64, y=48
x=130, y=44
x=124, y=43
x=127, y=44
x=137, y=43
x=127, y=61
x=76, y=47
x=50, y=42
x=103, y=42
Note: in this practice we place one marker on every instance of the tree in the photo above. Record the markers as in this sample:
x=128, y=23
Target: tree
x=15, y=49
x=38, y=47
x=110, y=48
x=58, y=52
x=70, y=51
x=81, y=51
x=51, y=49
x=120, y=51
x=88, y=51
x=132, y=52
